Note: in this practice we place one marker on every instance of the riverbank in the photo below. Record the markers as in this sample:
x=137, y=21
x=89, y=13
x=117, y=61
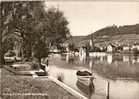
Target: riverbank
x=15, y=87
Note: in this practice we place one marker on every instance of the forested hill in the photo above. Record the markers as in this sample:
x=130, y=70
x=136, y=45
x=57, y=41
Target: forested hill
x=114, y=30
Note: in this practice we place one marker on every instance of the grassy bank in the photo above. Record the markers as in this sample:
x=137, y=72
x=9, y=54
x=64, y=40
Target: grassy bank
x=46, y=89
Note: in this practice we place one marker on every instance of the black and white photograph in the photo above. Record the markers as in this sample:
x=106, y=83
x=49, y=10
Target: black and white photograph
x=72, y=49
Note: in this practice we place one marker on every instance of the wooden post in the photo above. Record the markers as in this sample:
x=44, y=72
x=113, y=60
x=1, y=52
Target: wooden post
x=108, y=90
x=1, y=25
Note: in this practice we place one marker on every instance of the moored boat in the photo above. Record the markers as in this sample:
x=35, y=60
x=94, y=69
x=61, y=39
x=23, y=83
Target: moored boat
x=84, y=77
x=83, y=73
x=44, y=67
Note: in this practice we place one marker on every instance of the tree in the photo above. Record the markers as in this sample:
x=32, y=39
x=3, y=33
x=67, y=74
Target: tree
x=71, y=47
x=56, y=26
x=5, y=26
x=27, y=15
x=52, y=30
x=31, y=26
x=40, y=50
x=18, y=19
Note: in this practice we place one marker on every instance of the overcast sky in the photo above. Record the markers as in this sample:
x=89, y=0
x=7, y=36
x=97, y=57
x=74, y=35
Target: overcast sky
x=87, y=17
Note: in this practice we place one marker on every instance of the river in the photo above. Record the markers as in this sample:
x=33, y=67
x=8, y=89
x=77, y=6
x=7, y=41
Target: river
x=116, y=75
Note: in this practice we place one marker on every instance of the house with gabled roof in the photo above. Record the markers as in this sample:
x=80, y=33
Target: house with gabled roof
x=111, y=47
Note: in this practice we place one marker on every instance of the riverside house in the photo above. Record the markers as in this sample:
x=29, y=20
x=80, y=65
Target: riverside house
x=111, y=47
x=135, y=46
x=126, y=48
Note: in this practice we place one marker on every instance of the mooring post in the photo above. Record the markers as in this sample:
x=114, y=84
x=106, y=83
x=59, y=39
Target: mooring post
x=108, y=90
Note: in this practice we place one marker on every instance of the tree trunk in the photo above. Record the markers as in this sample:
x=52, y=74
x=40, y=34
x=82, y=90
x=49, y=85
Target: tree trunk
x=2, y=60
x=26, y=50
x=39, y=60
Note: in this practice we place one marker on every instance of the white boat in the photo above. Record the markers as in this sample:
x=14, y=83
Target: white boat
x=36, y=73
x=46, y=68
x=43, y=71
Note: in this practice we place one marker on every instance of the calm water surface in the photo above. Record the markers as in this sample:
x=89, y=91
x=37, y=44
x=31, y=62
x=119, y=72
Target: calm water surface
x=101, y=64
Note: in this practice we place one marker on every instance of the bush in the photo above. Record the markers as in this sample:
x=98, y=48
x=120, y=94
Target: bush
x=10, y=53
x=34, y=65
x=60, y=77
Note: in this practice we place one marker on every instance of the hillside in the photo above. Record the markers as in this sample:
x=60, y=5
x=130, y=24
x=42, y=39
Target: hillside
x=114, y=30
x=128, y=34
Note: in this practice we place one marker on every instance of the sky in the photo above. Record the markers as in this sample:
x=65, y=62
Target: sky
x=87, y=17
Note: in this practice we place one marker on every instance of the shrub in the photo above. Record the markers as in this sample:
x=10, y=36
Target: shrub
x=60, y=77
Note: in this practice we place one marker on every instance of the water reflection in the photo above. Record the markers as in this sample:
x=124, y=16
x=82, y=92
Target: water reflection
x=91, y=62
x=135, y=58
x=111, y=58
x=87, y=89
x=126, y=58
x=124, y=90
x=131, y=58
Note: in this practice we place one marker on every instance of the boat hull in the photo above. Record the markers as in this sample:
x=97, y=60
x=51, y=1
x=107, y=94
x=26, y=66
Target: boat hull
x=86, y=80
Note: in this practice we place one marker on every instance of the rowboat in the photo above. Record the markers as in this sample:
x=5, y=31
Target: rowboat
x=40, y=72
x=83, y=73
x=44, y=67
x=85, y=77
x=43, y=71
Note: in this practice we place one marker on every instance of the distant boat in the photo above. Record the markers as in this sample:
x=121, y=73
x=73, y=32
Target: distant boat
x=44, y=67
x=43, y=71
